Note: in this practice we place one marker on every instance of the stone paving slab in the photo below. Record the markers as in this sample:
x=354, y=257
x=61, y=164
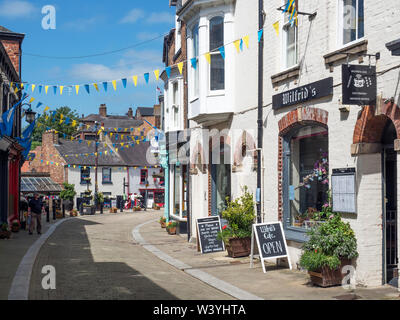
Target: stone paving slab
x=276, y=283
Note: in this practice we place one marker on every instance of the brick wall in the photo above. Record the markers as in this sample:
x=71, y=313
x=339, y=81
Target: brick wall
x=12, y=48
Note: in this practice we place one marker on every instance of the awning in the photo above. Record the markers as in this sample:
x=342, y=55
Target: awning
x=39, y=184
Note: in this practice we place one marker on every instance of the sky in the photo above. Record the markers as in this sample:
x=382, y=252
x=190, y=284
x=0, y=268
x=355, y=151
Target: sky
x=85, y=28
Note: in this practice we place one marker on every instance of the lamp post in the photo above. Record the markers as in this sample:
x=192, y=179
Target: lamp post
x=95, y=166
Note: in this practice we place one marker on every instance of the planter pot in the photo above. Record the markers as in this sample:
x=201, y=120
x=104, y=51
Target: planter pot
x=238, y=247
x=327, y=277
x=163, y=225
x=5, y=234
x=15, y=229
x=171, y=230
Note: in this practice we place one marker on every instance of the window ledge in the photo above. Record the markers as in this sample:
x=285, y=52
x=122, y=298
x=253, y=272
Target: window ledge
x=107, y=183
x=354, y=48
x=216, y=93
x=178, y=218
x=283, y=76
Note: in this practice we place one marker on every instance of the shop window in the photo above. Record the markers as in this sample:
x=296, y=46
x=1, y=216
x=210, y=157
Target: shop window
x=106, y=175
x=217, y=65
x=290, y=41
x=143, y=176
x=351, y=20
x=85, y=173
x=306, y=177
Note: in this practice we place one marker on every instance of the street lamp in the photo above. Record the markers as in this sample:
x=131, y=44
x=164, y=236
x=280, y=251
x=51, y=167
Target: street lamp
x=29, y=114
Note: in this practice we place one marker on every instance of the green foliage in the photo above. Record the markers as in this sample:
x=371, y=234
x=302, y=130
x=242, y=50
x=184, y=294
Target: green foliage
x=5, y=227
x=100, y=197
x=328, y=243
x=163, y=219
x=172, y=224
x=35, y=144
x=49, y=123
x=69, y=192
x=240, y=215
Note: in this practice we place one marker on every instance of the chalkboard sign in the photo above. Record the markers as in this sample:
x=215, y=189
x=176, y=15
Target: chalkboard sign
x=208, y=229
x=271, y=241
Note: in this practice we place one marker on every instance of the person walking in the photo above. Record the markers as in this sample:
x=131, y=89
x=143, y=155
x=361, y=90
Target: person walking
x=35, y=210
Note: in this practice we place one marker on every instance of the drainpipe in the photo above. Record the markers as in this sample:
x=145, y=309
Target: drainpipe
x=260, y=108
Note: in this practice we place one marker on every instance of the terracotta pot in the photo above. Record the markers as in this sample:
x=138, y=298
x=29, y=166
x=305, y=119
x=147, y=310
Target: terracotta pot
x=171, y=230
x=5, y=234
x=163, y=224
x=239, y=247
x=15, y=229
x=326, y=277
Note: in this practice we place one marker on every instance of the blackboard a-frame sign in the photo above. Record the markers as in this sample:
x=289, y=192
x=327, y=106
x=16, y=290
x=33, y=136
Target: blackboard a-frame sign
x=207, y=230
x=271, y=242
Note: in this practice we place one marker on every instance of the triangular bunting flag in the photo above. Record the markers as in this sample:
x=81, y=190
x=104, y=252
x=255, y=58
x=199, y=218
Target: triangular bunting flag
x=222, y=51
x=260, y=33
x=246, y=41
x=146, y=77
x=124, y=82
x=61, y=90
x=114, y=83
x=105, y=84
x=193, y=61
x=87, y=88
x=33, y=87
x=38, y=105
x=208, y=57
x=168, y=71
x=237, y=45
x=55, y=89
x=241, y=45
x=31, y=100
x=276, y=27
x=46, y=88
x=40, y=89
x=77, y=89
x=180, y=67
x=96, y=86
x=134, y=78
x=157, y=74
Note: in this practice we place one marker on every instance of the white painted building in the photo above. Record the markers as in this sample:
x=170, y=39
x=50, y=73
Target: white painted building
x=223, y=95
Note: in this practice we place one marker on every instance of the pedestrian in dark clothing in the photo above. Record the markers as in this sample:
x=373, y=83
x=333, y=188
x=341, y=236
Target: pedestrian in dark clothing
x=35, y=210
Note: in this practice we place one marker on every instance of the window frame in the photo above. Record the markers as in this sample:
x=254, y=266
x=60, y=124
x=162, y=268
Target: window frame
x=141, y=175
x=102, y=175
x=339, y=38
x=195, y=74
x=293, y=233
x=284, y=32
x=83, y=181
x=215, y=53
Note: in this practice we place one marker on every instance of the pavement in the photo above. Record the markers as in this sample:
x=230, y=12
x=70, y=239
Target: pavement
x=128, y=256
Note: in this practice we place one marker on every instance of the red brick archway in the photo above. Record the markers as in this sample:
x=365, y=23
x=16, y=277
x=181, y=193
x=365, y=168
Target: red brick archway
x=295, y=118
x=371, y=123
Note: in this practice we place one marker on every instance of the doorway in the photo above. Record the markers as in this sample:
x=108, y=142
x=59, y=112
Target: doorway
x=389, y=170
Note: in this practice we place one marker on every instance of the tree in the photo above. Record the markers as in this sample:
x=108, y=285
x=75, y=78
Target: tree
x=53, y=122
x=69, y=192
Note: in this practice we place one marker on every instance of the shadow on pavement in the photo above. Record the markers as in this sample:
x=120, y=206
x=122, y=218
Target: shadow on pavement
x=79, y=277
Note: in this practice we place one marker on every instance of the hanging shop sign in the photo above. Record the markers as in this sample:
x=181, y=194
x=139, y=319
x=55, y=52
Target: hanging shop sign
x=344, y=190
x=271, y=242
x=358, y=85
x=208, y=229
x=315, y=90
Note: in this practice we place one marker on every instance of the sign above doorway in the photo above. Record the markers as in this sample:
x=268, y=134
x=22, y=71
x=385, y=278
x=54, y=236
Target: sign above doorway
x=315, y=90
x=358, y=85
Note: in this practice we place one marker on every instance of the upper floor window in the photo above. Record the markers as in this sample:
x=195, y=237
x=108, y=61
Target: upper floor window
x=351, y=20
x=175, y=104
x=143, y=176
x=106, y=175
x=85, y=173
x=195, y=42
x=178, y=26
x=217, y=67
x=290, y=41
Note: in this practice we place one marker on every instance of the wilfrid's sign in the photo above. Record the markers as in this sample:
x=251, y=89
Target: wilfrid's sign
x=271, y=242
x=358, y=84
x=208, y=229
x=305, y=93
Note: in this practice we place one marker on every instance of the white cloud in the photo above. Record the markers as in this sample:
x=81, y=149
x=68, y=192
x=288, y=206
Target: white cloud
x=84, y=23
x=161, y=17
x=16, y=9
x=133, y=16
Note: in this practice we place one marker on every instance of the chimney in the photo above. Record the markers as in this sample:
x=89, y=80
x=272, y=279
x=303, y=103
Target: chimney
x=49, y=138
x=130, y=113
x=103, y=110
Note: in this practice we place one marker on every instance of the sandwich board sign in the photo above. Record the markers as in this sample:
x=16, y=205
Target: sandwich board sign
x=271, y=242
x=207, y=230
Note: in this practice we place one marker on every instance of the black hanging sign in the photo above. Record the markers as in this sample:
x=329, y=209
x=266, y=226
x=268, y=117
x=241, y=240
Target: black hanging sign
x=358, y=85
x=208, y=229
x=271, y=242
x=315, y=90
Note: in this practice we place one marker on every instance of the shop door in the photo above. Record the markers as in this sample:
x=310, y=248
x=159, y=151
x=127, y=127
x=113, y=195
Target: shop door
x=390, y=249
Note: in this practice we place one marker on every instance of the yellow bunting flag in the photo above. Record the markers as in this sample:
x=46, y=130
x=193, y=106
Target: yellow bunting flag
x=47, y=117
x=77, y=89
x=88, y=126
x=96, y=86
x=89, y=143
x=33, y=87
x=31, y=100
x=111, y=134
x=237, y=45
x=74, y=166
x=114, y=83
x=208, y=57
x=246, y=41
x=16, y=90
x=135, y=80
x=46, y=88
x=61, y=116
x=105, y=152
x=276, y=27
x=61, y=121
x=61, y=89
x=116, y=149
x=180, y=67
x=47, y=162
x=157, y=73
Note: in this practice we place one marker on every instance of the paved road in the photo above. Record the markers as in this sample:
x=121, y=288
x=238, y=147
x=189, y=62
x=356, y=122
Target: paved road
x=95, y=257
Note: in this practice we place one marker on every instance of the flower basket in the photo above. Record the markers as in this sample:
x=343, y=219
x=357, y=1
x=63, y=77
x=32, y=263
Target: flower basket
x=163, y=224
x=326, y=277
x=238, y=247
x=171, y=227
x=113, y=210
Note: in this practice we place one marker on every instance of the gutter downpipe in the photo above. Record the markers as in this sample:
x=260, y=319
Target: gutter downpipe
x=260, y=108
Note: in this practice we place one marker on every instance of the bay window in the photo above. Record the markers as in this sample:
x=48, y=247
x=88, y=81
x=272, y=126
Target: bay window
x=217, y=63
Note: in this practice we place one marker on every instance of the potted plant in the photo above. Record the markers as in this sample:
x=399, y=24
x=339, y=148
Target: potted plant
x=240, y=215
x=171, y=227
x=5, y=232
x=163, y=221
x=73, y=213
x=100, y=201
x=15, y=226
x=331, y=245
x=68, y=195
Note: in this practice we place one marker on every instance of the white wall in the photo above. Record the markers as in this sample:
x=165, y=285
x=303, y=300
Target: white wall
x=134, y=179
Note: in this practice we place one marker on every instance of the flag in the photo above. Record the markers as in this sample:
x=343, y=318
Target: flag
x=114, y=83
x=193, y=61
x=237, y=45
x=96, y=86
x=105, y=86
x=27, y=146
x=33, y=87
x=157, y=74
x=180, y=67
x=55, y=89
x=46, y=88
x=208, y=57
x=246, y=41
x=8, y=120
x=168, y=71
x=260, y=33
x=61, y=90
x=134, y=78
x=276, y=27
x=222, y=51
x=124, y=82
x=87, y=88
x=146, y=77
x=77, y=89
x=28, y=131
